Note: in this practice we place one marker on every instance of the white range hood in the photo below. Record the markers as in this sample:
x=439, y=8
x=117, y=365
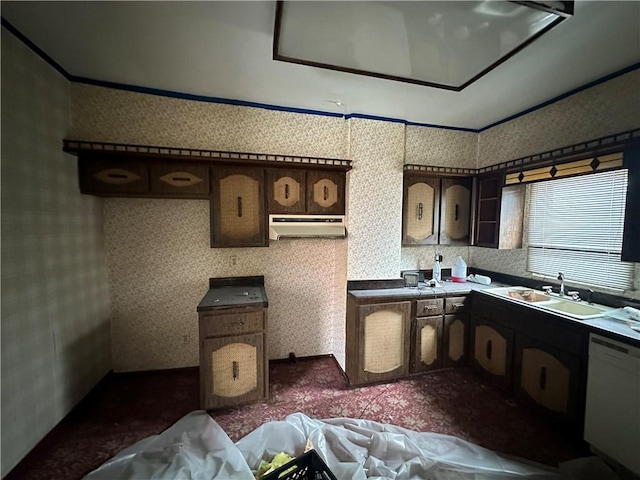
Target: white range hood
x=306, y=226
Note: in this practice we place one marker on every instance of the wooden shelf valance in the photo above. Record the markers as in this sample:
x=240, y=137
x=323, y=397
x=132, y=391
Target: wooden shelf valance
x=81, y=147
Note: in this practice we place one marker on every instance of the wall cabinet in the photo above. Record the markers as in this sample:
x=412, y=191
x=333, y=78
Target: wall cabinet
x=237, y=208
x=305, y=191
x=378, y=341
x=436, y=210
x=499, y=213
x=233, y=360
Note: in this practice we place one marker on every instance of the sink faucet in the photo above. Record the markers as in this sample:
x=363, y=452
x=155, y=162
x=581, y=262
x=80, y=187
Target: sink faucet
x=561, y=278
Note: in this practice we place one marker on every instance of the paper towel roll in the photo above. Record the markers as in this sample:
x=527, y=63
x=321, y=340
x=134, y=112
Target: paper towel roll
x=633, y=313
x=484, y=280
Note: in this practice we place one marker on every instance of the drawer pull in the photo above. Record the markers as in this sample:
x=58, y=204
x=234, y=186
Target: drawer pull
x=286, y=191
x=117, y=175
x=458, y=305
x=457, y=212
x=235, y=370
x=420, y=211
x=236, y=324
x=489, y=349
x=325, y=191
x=239, y=206
x=429, y=307
x=180, y=179
x=543, y=377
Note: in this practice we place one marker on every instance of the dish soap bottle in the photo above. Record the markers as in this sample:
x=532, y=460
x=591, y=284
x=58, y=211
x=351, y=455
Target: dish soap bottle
x=437, y=271
x=459, y=270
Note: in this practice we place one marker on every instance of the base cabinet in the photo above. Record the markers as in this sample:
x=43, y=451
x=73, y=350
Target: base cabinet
x=233, y=362
x=427, y=344
x=492, y=350
x=378, y=337
x=455, y=340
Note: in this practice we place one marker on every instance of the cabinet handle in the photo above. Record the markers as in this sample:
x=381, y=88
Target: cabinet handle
x=325, y=191
x=420, y=208
x=457, y=213
x=429, y=307
x=180, y=179
x=286, y=191
x=239, y=206
x=458, y=305
x=236, y=324
x=489, y=349
x=543, y=377
x=117, y=175
x=235, y=370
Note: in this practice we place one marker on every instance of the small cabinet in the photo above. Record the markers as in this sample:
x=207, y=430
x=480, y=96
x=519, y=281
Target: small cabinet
x=378, y=341
x=547, y=378
x=499, y=213
x=325, y=192
x=455, y=332
x=107, y=175
x=427, y=335
x=436, y=210
x=233, y=362
x=177, y=180
x=237, y=208
x=492, y=350
x=286, y=191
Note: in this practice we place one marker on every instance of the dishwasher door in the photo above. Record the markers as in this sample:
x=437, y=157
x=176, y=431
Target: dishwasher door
x=612, y=418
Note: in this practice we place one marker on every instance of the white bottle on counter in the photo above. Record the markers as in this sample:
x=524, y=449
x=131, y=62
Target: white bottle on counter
x=459, y=270
x=437, y=271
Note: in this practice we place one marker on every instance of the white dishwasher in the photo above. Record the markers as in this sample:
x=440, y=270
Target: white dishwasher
x=612, y=418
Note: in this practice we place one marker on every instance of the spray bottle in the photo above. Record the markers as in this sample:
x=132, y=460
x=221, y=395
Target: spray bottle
x=437, y=271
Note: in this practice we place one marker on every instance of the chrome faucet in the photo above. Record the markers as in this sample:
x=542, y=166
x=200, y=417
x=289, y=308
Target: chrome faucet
x=561, y=278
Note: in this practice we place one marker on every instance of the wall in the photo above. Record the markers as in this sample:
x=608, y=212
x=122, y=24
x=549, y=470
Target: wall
x=55, y=333
x=158, y=251
x=605, y=109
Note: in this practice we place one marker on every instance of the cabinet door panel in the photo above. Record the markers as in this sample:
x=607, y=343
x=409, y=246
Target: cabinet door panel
x=108, y=176
x=385, y=334
x=237, y=208
x=286, y=191
x=492, y=350
x=179, y=181
x=427, y=346
x=325, y=192
x=454, y=340
x=234, y=370
x=421, y=211
x=455, y=215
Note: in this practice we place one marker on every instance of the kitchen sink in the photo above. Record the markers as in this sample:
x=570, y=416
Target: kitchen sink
x=552, y=303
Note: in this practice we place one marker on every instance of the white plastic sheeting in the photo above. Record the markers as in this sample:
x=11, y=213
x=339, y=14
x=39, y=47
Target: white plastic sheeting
x=197, y=448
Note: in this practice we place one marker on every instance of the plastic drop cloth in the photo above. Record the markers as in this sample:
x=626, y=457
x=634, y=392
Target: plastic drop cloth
x=196, y=447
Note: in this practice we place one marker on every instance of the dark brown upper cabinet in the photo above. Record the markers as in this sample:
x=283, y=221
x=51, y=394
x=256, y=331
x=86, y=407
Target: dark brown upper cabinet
x=178, y=180
x=436, y=210
x=325, y=192
x=237, y=207
x=286, y=191
x=499, y=213
x=111, y=175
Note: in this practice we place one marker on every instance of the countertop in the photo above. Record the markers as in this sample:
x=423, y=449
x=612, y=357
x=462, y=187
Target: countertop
x=234, y=292
x=602, y=325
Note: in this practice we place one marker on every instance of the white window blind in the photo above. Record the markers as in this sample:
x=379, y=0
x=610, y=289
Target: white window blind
x=576, y=226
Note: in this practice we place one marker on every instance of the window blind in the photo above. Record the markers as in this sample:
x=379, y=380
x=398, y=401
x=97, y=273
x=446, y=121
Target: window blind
x=576, y=226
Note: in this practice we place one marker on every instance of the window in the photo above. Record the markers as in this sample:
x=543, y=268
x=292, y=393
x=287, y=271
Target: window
x=576, y=226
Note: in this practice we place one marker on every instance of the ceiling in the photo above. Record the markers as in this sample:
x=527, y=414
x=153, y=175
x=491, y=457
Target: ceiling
x=224, y=50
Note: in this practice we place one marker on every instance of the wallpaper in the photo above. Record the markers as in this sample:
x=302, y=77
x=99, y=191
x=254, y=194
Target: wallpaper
x=440, y=147
x=55, y=332
x=604, y=109
x=375, y=199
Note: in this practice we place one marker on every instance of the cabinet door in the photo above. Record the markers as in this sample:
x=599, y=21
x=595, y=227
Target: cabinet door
x=110, y=176
x=232, y=370
x=237, y=208
x=384, y=346
x=427, y=344
x=286, y=191
x=179, y=180
x=492, y=350
x=455, y=213
x=325, y=192
x=547, y=377
x=488, y=211
x=421, y=211
x=454, y=340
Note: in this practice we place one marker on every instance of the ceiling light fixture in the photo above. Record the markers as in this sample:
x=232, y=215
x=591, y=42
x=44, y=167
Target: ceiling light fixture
x=441, y=44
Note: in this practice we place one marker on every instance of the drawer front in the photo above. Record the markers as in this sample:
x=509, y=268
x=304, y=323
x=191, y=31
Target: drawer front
x=455, y=305
x=180, y=180
x=230, y=324
x=428, y=307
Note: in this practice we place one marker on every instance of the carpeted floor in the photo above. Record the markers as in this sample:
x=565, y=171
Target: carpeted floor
x=129, y=407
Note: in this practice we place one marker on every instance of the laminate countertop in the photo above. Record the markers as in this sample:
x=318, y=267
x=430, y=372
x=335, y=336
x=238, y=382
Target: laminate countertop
x=448, y=289
x=234, y=292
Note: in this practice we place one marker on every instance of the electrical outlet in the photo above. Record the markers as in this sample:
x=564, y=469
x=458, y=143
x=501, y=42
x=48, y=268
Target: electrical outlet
x=234, y=260
x=185, y=339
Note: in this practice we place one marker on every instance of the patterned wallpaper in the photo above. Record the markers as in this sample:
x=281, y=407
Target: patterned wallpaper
x=375, y=199
x=437, y=146
x=605, y=109
x=55, y=331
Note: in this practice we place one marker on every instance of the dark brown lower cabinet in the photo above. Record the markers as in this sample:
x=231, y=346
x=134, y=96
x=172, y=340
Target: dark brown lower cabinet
x=492, y=350
x=455, y=340
x=548, y=379
x=427, y=343
x=233, y=360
